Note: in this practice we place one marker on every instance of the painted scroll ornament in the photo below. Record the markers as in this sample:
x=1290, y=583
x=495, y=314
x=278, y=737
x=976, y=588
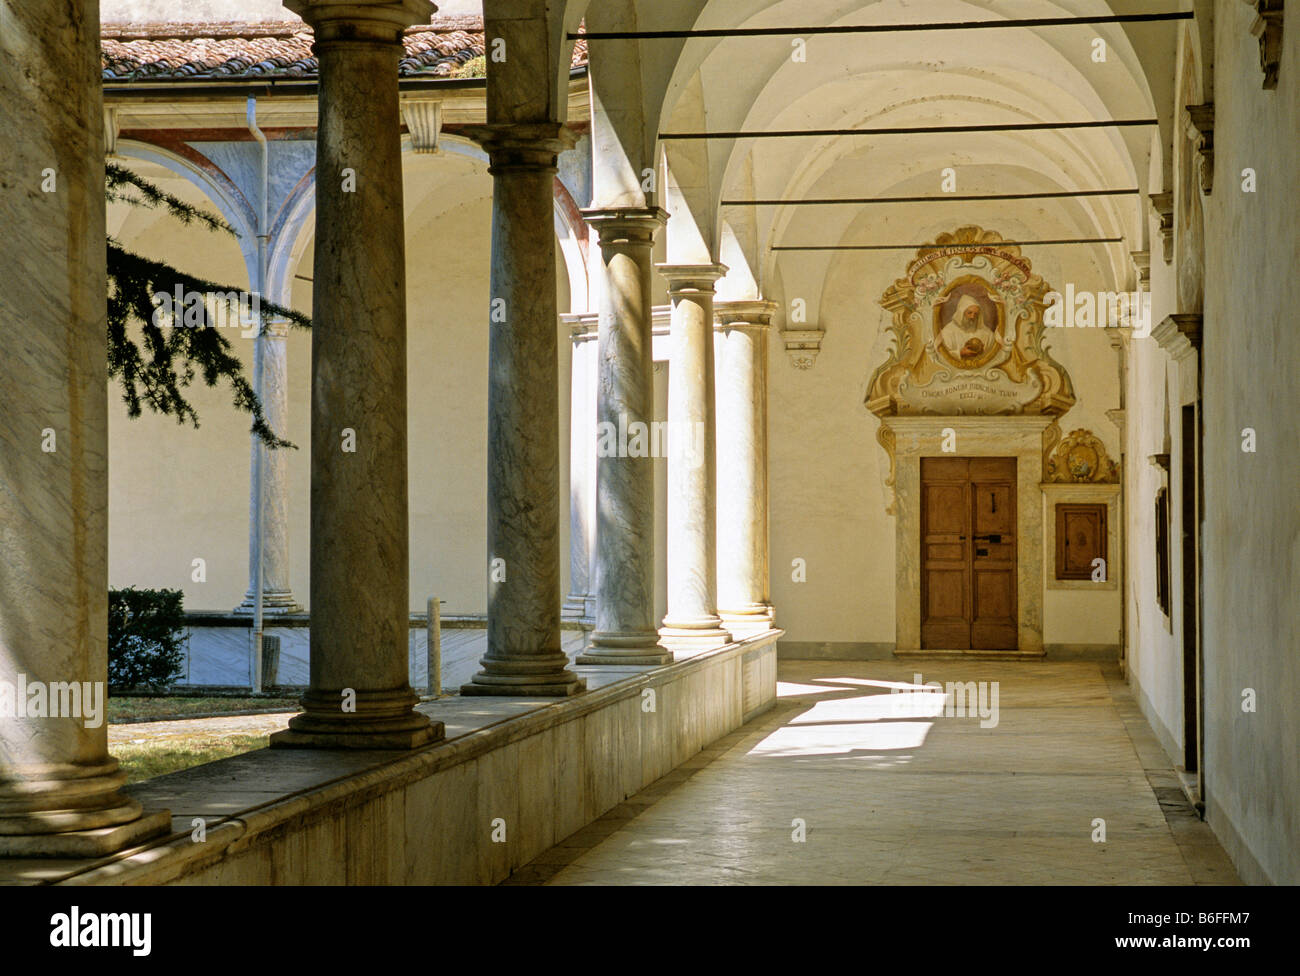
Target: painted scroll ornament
x=968, y=335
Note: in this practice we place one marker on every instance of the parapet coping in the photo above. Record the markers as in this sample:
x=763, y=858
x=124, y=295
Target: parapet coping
x=365, y=775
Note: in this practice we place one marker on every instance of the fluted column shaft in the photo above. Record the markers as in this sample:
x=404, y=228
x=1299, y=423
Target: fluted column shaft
x=58, y=784
x=625, y=516
x=273, y=389
x=360, y=695
x=692, y=616
x=524, y=654
x=741, y=347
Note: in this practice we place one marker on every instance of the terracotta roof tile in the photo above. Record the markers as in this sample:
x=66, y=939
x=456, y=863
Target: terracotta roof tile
x=181, y=52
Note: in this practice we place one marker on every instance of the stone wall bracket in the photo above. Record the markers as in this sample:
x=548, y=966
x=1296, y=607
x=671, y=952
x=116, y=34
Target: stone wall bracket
x=1198, y=120
x=1267, y=27
x=802, y=346
x=1179, y=334
x=423, y=118
x=1162, y=204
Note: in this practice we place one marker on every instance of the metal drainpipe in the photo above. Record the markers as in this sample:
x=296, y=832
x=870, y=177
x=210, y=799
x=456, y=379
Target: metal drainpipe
x=258, y=447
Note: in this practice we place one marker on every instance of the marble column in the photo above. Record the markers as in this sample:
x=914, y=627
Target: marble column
x=273, y=389
x=581, y=603
x=360, y=695
x=524, y=655
x=741, y=348
x=692, y=618
x=59, y=788
x=625, y=515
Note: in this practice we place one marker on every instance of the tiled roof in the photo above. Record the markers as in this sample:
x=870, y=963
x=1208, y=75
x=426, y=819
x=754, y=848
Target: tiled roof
x=181, y=52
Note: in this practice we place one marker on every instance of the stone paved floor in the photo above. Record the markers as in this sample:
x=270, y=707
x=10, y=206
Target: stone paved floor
x=893, y=791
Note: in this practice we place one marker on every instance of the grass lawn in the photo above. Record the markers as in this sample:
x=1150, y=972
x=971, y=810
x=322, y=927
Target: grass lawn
x=171, y=706
x=145, y=760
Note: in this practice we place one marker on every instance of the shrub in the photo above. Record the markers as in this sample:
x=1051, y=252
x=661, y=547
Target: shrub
x=144, y=638
x=475, y=67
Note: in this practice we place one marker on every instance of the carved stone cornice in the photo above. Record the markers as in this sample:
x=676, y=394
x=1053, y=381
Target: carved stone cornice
x=1198, y=120
x=803, y=345
x=585, y=326
x=1142, y=266
x=1179, y=334
x=1268, y=29
x=1162, y=205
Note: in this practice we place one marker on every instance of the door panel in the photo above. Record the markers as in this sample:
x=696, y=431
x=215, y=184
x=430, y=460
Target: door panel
x=945, y=553
x=968, y=554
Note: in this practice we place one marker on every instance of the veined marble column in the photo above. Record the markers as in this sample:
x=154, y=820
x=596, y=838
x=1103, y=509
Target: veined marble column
x=582, y=468
x=741, y=347
x=277, y=597
x=359, y=696
x=58, y=785
x=692, y=618
x=625, y=515
x=524, y=655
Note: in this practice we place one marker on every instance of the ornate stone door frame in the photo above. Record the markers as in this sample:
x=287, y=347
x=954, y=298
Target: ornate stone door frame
x=1018, y=436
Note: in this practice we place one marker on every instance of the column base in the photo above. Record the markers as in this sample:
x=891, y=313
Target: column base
x=382, y=720
x=578, y=607
x=359, y=739
x=88, y=843
x=482, y=686
x=710, y=634
x=535, y=676
x=749, y=620
x=624, y=647
x=273, y=603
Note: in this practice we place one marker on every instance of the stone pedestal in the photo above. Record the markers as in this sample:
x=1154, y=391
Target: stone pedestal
x=741, y=349
x=692, y=618
x=359, y=696
x=524, y=655
x=59, y=788
x=272, y=386
x=625, y=627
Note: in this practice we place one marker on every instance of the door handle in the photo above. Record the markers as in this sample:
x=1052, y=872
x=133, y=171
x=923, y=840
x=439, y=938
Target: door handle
x=994, y=538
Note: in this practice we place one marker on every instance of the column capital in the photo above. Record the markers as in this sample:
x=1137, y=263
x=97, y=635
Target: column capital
x=634, y=225
x=276, y=327
x=521, y=145
x=691, y=277
x=361, y=20
x=583, y=326
x=752, y=313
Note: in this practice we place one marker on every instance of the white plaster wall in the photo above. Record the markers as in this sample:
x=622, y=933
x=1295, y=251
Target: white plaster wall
x=1155, y=641
x=1252, y=520
x=1251, y=541
x=175, y=493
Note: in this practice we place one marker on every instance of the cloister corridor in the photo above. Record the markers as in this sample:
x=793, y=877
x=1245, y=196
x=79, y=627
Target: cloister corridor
x=891, y=790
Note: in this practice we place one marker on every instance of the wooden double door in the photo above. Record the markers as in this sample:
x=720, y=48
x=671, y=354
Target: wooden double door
x=968, y=554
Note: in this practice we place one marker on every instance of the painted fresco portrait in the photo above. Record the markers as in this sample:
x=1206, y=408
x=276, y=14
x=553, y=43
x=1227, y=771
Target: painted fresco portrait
x=968, y=324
